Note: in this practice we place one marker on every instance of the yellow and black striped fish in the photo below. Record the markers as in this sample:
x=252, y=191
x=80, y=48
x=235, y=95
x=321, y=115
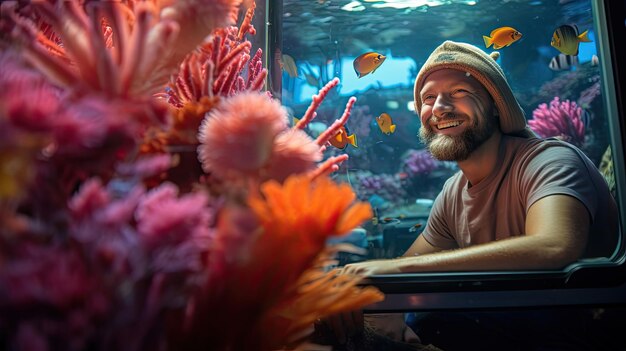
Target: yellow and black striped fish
x=566, y=39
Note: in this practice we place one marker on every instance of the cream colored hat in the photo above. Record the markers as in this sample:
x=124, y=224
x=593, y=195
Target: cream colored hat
x=469, y=58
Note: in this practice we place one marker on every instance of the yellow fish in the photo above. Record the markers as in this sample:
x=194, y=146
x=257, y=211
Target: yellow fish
x=566, y=39
x=501, y=37
x=288, y=64
x=342, y=139
x=368, y=63
x=385, y=124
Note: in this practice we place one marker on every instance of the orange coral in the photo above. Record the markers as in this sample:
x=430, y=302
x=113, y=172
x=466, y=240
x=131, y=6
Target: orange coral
x=297, y=218
x=315, y=295
x=314, y=209
x=267, y=271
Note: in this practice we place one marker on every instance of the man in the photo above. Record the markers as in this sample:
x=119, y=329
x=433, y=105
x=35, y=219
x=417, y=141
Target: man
x=518, y=202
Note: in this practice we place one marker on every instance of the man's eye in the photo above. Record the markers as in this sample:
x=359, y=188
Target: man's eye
x=428, y=98
x=460, y=92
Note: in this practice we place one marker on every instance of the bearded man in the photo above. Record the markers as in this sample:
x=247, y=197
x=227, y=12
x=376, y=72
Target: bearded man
x=518, y=202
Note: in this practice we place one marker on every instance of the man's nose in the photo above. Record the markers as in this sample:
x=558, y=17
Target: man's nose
x=442, y=105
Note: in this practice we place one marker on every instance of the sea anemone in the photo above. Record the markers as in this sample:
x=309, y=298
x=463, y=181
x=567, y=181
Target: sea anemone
x=294, y=152
x=237, y=137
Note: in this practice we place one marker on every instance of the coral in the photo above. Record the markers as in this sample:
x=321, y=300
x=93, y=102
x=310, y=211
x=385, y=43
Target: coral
x=588, y=95
x=296, y=218
x=112, y=235
x=385, y=185
x=417, y=162
x=238, y=136
x=562, y=119
x=265, y=147
x=119, y=48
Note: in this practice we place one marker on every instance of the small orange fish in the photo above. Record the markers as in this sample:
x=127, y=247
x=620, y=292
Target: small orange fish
x=501, y=37
x=342, y=139
x=385, y=123
x=368, y=63
x=415, y=227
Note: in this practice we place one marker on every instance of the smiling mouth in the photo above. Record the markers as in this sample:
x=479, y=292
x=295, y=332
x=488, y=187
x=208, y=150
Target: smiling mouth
x=442, y=126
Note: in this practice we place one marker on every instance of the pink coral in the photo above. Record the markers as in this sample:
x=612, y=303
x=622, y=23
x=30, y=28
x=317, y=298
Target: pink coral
x=28, y=107
x=294, y=152
x=163, y=218
x=237, y=138
x=248, y=135
x=215, y=68
x=562, y=119
x=120, y=48
x=93, y=254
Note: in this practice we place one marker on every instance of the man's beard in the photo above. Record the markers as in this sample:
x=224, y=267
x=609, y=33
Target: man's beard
x=460, y=147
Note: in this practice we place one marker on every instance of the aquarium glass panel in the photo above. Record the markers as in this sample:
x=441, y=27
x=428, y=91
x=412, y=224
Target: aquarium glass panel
x=316, y=41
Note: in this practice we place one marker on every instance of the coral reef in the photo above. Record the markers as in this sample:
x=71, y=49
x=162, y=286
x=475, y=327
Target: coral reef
x=588, y=95
x=561, y=119
x=151, y=194
x=386, y=186
x=418, y=162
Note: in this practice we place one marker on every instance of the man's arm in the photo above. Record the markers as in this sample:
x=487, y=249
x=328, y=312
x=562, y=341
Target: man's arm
x=556, y=235
x=420, y=247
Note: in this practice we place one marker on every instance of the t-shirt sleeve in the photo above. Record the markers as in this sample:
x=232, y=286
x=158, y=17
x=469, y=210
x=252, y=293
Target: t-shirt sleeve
x=437, y=231
x=559, y=170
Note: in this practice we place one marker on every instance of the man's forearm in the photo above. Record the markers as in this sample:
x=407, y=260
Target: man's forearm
x=524, y=252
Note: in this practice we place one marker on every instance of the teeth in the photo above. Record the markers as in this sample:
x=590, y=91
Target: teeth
x=448, y=125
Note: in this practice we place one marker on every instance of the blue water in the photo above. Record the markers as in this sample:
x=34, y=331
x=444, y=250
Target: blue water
x=324, y=37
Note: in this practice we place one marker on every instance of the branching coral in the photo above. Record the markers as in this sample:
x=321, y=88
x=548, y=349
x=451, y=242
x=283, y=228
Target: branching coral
x=254, y=128
x=215, y=69
x=562, y=119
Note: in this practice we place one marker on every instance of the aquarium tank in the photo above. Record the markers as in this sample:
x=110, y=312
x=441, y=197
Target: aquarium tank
x=376, y=48
x=193, y=174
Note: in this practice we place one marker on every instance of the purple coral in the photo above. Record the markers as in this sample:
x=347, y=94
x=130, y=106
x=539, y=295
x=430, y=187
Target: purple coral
x=416, y=162
x=588, y=95
x=562, y=119
x=386, y=186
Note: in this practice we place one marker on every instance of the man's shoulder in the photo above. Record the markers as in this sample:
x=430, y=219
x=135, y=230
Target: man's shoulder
x=551, y=156
x=549, y=148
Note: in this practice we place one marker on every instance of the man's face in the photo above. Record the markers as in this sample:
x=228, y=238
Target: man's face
x=457, y=115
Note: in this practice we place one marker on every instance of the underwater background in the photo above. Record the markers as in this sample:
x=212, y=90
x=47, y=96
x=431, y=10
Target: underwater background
x=320, y=40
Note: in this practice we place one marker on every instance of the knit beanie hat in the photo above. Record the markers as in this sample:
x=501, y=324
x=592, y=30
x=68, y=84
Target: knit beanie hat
x=469, y=58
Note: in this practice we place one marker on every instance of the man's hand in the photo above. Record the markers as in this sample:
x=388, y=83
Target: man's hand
x=368, y=268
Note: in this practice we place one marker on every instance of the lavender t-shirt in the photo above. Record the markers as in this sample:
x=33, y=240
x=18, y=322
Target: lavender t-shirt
x=527, y=170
